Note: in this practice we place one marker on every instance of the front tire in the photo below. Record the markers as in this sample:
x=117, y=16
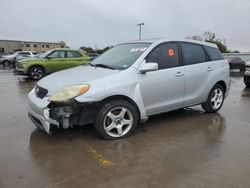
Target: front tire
x=215, y=99
x=116, y=119
x=36, y=72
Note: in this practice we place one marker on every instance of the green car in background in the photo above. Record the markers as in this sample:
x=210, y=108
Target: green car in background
x=50, y=61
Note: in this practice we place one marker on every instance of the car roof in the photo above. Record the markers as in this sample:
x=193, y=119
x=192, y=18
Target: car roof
x=162, y=40
x=24, y=51
x=66, y=49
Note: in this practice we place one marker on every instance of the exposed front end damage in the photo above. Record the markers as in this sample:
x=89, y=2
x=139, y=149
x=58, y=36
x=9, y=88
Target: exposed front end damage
x=72, y=113
x=48, y=115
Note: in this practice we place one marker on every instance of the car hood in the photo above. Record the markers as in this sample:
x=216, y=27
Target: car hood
x=7, y=56
x=74, y=76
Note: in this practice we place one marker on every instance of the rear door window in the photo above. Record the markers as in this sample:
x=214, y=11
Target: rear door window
x=166, y=56
x=73, y=54
x=193, y=54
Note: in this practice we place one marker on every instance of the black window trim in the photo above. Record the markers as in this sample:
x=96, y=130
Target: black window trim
x=164, y=43
x=193, y=43
x=210, y=59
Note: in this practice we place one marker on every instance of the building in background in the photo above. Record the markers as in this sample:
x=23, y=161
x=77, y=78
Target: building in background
x=10, y=46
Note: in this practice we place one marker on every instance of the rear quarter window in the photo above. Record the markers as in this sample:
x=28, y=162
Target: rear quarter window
x=73, y=54
x=193, y=54
x=214, y=53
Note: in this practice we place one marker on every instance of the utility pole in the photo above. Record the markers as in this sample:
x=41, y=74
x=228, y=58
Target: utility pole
x=140, y=24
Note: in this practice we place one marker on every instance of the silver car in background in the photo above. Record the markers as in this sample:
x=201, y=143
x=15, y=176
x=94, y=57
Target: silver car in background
x=10, y=59
x=129, y=83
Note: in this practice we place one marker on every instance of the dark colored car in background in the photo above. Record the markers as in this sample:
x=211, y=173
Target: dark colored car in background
x=93, y=55
x=236, y=63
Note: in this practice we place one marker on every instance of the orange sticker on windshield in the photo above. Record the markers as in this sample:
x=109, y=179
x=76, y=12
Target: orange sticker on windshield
x=170, y=52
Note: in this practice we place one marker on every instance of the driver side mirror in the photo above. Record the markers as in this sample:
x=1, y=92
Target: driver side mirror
x=49, y=57
x=148, y=67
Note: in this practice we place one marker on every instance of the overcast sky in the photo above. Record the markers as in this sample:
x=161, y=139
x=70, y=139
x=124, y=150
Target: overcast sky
x=107, y=22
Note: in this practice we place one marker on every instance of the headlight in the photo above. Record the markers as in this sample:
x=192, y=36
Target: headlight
x=69, y=92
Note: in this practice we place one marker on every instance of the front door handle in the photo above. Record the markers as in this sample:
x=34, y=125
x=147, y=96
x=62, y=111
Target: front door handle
x=179, y=74
x=209, y=69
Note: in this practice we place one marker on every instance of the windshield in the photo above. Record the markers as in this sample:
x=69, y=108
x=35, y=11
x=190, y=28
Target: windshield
x=44, y=54
x=121, y=56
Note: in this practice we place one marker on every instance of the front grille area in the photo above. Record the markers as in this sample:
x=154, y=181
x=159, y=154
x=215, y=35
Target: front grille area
x=41, y=92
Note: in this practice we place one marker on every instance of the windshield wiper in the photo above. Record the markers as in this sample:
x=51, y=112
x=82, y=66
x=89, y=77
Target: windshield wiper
x=102, y=65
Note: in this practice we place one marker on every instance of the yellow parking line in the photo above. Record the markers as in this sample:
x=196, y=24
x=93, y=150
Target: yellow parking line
x=102, y=161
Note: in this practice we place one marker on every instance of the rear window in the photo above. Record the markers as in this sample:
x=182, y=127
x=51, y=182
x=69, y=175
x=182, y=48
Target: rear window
x=214, y=53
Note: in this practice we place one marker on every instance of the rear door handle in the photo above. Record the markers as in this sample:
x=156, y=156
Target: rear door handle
x=209, y=69
x=179, y=74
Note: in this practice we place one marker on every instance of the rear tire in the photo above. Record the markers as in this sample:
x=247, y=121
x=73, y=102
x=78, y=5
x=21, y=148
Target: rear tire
x=116, y=119
x=36, y=72
x=215, y=99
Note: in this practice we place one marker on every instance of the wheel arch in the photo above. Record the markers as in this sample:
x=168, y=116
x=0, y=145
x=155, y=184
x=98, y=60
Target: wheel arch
x=223, y=84
x=220, y=82
x=6, y=60
x=122, y=97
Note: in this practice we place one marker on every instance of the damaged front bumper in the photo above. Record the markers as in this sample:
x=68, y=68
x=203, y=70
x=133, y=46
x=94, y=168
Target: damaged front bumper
x=38, y=112
x=47, y=115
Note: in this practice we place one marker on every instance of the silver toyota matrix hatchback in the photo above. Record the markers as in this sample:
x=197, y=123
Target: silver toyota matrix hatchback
x=129, y=83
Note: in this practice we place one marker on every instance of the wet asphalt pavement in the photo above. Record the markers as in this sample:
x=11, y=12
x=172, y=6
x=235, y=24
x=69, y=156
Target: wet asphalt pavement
x=186, y=148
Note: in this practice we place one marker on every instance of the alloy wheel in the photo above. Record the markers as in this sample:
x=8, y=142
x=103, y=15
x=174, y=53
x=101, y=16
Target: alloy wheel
x=217, y=98
x=36, y=73
x=118, y=122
